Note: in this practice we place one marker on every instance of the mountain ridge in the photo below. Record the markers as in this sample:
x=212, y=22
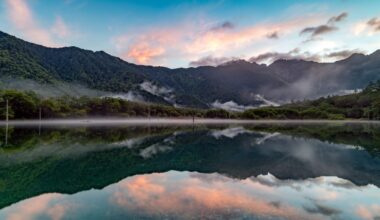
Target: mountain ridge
x=240, y=82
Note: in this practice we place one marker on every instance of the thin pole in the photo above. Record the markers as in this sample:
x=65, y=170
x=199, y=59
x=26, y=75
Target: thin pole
x=149, y=111
x=7, y=111
x=6, y=134
x=6, y=124
x=39, y=124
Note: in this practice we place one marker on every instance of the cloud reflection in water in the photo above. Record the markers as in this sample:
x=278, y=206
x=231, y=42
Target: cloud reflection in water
x=185, y=195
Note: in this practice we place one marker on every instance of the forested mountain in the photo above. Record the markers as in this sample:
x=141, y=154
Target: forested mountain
x=235, y=85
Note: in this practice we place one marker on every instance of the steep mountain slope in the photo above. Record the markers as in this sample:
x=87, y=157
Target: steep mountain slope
x=239, y=83
x=20, y=60
x=68, y=64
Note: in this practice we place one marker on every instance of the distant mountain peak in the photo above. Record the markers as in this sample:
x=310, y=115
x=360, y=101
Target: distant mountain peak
x=290, y=61
x=3, y=34
x=376, y=53
x=354, y=58
x=237, y=62
x=236, y=80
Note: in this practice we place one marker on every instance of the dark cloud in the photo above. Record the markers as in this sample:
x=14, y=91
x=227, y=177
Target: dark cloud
x=338, y=18
x=270, y=57
x=275, y=204
x=323, y=210
x=211, y=61
x=273, y=35
x=319, y=30
x=325, y=28
x=374, y=23
x=343, y=53
x=227, y=25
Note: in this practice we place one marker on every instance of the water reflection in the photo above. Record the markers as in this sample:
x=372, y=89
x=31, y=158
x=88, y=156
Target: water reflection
x=296, y=171
x=192, y=195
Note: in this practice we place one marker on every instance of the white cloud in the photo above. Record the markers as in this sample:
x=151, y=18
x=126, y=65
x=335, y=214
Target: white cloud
x=164, y=92
x=229, y=132
x=231, y=106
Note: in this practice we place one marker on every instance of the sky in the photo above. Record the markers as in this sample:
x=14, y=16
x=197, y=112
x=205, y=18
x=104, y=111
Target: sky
x=176, y=33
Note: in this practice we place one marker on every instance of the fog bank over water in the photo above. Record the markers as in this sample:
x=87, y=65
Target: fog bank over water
x=147, y=121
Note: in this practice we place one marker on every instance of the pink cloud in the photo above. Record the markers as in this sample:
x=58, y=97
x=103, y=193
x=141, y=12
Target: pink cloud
x=152, y=194
x=60, y=28
x=193, y=40
x=143, y=53
x=368, y=212
x=38, y=205
x=24, y=21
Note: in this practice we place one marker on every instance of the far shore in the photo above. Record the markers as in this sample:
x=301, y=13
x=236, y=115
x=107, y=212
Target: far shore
x=174, y=121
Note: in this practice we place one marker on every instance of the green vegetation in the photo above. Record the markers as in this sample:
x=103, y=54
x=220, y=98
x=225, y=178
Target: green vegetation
x=27, y=105
x=363, y=105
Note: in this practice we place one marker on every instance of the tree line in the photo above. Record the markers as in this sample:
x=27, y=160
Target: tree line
x=28, y=105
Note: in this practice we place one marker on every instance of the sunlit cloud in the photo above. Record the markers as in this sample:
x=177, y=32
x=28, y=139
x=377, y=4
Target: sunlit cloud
x=183, y=195
x=196, y=194
x=38, y=206
x=192, y=40
x=367, y=27
x=142, y=53
x=368, y=212
x=24, y=21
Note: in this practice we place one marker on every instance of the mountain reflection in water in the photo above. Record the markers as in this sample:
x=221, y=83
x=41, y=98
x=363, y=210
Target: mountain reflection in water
x=296, y=171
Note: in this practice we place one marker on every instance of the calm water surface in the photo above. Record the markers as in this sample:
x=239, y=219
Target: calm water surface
x=246, y=171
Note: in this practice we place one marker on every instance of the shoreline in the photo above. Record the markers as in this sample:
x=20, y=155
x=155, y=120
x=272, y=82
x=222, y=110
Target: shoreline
x=174, y=121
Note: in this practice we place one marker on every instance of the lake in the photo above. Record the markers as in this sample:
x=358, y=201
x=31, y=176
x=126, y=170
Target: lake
x=266, y=170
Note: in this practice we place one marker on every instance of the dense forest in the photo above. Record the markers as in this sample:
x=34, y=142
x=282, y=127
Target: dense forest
x=362, y=105
x=28, y=105
x=237, y=81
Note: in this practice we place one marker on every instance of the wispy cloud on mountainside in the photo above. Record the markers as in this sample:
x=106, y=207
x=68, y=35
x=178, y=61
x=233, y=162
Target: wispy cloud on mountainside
x=211, y=61
x=270, y=57
x=297, y=54
x=344, y=53
x=160, y=91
